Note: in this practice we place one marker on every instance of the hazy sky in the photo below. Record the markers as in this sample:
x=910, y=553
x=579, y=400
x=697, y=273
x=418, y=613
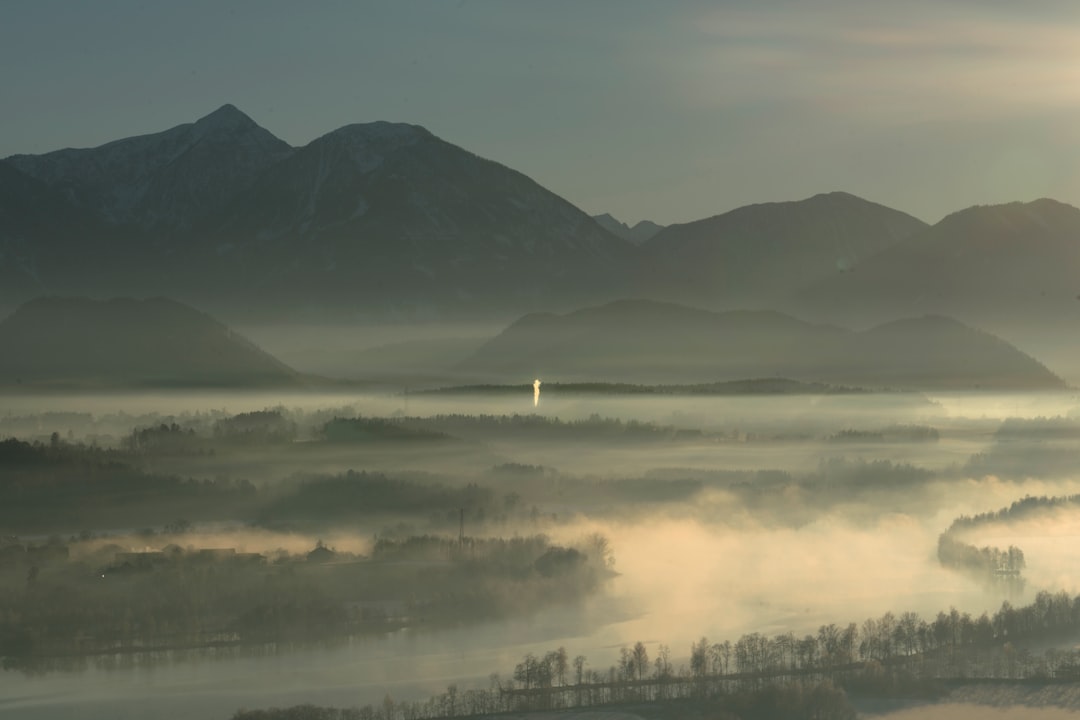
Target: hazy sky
x=670, y=111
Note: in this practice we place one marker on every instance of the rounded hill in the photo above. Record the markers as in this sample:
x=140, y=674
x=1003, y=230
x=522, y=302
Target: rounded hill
x=124, y=342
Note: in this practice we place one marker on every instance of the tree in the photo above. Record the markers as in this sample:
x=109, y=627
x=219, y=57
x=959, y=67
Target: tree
x=663, y=670
x=560, y=665
x=699, y=658
x=525, y=671
x=579, y=675
x=451, y=700
x=640, y=660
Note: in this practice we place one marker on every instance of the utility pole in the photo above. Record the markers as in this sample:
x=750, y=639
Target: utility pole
x=461, y=529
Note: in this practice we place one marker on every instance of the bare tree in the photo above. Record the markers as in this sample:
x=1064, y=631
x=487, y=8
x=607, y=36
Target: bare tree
x=640, y=660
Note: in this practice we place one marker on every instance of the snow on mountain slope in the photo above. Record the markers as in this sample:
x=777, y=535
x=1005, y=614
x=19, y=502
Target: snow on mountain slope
x=162, y=180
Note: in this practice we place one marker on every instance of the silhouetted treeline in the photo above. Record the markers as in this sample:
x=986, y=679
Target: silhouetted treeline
x=1003, y=566
x=69, y=487
x=1038, y=428
x=988, y=563
x=261, y=426
x=1017, y=461
x=1030, y=447
x=795, y=701
x=1025, y=507
x=891, y=433
x=753, y=386
x=333, y=499
x=795, y=499
x=362, y=429
x=47, y=486
x=166, y=439
x=539, y=427
x=759, y=676
x=108, y=599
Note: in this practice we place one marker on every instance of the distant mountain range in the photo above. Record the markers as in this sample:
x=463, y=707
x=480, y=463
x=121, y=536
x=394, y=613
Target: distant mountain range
x=652, y=342
x=753, y=255
x=997, y=261
x=379, y=219
x=76, y=343
x=1013, y=269
x=641, y=233
x=385, y=221
x=82, y=344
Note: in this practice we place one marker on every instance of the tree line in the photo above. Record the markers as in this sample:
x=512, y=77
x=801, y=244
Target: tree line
x=892, y=655
x=115, y=601
x=990, y=563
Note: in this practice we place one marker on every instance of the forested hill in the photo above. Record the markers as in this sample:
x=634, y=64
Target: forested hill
x=82, y=343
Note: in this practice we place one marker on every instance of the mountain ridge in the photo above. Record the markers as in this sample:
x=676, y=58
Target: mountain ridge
x=979, y=263
x=654, y=342
x=380, y=218
x=386, y=221
x=754, y=254
x=639, y=234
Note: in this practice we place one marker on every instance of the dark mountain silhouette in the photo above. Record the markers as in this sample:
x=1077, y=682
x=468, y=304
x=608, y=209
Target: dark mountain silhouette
x=380, y=218
x=81, y=343
x=387, y=221
x=753, y=255
x=985, y=261
x=32, y=216
x=1012, y=269
x=643, y=231
x=164, y=181
x=649, y=342
x=389, y=216
x=47, y=241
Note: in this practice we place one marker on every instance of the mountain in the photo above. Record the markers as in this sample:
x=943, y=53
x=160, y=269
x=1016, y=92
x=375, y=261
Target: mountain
x=1012, y=269
x=643, y=231
x=165, y=181
x=755, y=254
x=82, y=343
x=651, y=342
x=388, y=215
x=379, y=219
x=1012, y=260
x=32, y=215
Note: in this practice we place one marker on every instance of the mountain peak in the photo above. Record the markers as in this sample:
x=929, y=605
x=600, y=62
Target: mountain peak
x=837, y=195
x=754, y=254
x=226, y=117
x=1045, y=214
x=380, y=130
x=641, y=233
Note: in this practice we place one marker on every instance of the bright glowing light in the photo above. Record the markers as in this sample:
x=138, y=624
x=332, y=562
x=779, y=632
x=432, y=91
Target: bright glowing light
x=536, y=392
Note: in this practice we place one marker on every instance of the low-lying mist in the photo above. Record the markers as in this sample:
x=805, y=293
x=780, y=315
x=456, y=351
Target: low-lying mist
x=724, y=516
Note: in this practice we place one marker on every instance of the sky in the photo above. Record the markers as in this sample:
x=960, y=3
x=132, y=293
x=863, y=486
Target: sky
x=667, y=111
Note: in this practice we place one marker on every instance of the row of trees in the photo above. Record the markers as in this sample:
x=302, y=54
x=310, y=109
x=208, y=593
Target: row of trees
x=541, y=427
x=888, y=655
x=991, y=563
x=1025, y=507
